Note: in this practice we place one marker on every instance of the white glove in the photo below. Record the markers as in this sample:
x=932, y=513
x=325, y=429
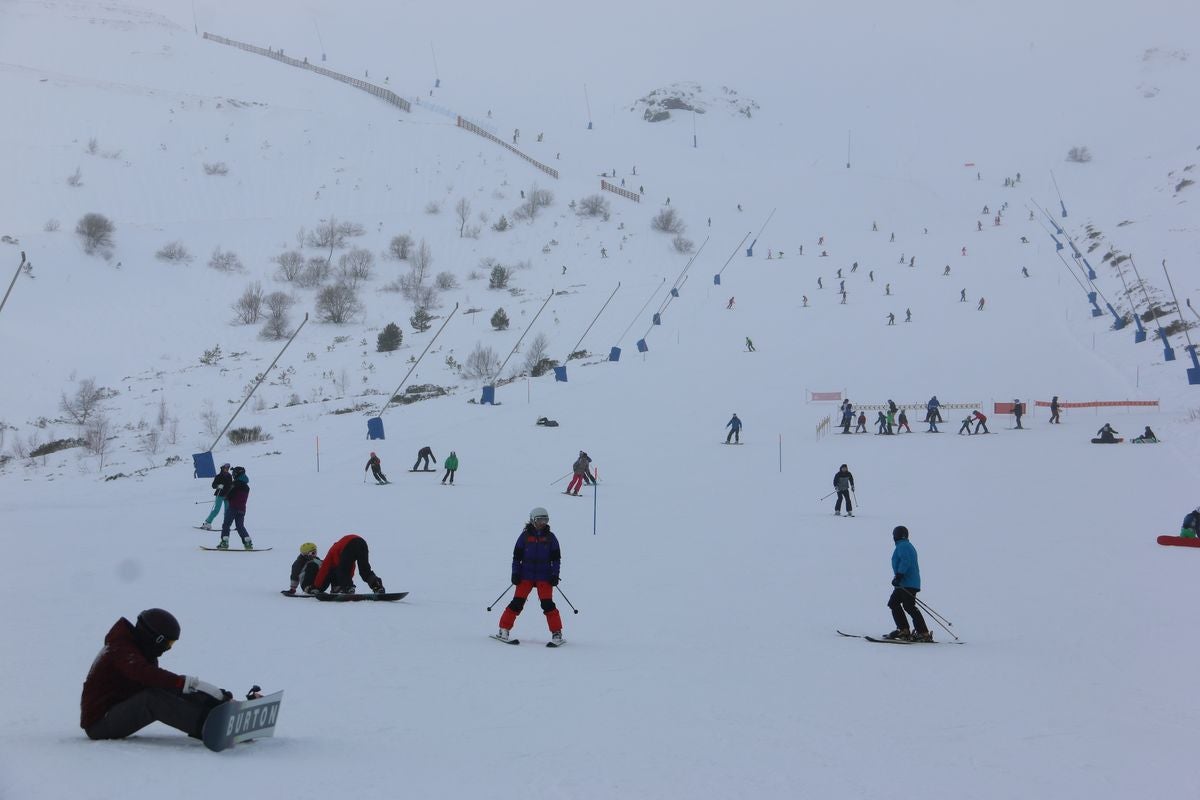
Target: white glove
x=193, y=684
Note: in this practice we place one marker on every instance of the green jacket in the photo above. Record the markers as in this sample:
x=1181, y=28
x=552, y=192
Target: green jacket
x=451, y=462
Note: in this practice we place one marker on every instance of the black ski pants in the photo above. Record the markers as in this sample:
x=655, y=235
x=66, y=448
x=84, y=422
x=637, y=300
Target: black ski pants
x=237, y=519
x=843, y=494
x=903, y=600
x=449, y=474
x=354, y=554
x=378, y=475
x=182, y=712
x=735, y=434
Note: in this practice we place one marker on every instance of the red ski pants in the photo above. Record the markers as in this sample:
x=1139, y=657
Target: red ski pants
x=545, y=593
x=575, y=483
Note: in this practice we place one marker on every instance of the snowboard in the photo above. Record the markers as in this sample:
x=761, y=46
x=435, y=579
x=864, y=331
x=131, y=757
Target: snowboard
x=731, y=443
x=422, y=470
x=349, y=598
x=1118, y=440
x=1179, y=541
x=240, y=721
x=237, y=549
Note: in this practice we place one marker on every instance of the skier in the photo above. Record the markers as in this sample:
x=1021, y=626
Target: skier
x=1106, y=435
x=304, y=568
x=588, y=480
x=861, y=427
x=1147, y=437
x=125, y=689
x=1018, y=410
x=1191, y=524
x=1054, y=409
x=978, y=226
x=730, y=303
x=336, y=572
x=376, y=468
x=854, y=267
x=881, y=424
x=933, y=410
x=966, y=426
x=577, y=471
x=887, y=289
x=221, y=485
x=422, y=462
x=804, y=300
x=749, y=345
x=964, y=251
x=735, y=429
x=843, y=483
x=451, y=465
x=847, y=416
x=844, y=296
x=893, y=237
x=946, y=271
x=1025, y=271
x=908, y=315
x=871, y=275
x=903, y=422
x=980, y=421
x=932, y=420
x=235, y=510
x=819, y=284
x=906, y=582
x=535, y=565
x=891, y=319
x=891, y=417
x=962, y=296
x=980, y=306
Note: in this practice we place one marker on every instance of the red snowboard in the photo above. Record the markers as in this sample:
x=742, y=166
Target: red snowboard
x=1179, y=541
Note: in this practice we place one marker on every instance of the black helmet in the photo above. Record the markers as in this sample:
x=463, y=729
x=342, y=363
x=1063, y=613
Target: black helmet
x=157, y=629
x=899, y=532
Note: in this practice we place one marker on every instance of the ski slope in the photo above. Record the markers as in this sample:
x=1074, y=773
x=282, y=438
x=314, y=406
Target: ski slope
x=709, y=580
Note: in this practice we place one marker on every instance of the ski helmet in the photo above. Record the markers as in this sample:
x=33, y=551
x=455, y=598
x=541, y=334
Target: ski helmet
x=899, y=532
x=308, y=549
x=157, y=628
x=539, y=513
x=225, y=465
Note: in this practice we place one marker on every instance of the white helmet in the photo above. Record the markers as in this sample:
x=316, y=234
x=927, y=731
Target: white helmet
x=539, y=512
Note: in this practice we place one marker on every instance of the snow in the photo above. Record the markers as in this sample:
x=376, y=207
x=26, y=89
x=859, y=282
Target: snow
x=709, y=580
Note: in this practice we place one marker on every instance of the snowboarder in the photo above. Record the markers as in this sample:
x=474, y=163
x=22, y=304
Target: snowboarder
x=422, y=462
x=535, y=565
x=966, y=426
x=980, y=421
x=1106, y=435
x=843, y=483
x=125, y=689
x=735, y=429
x=451, y=465
x=861, y=426
x=1147, y=437
x=1054, y=409
x=578, y=469
x=1018, y=410
x=749, y=345
x=903, y=422
x=1191, y=524
x=906, y=583
x=221, y=485
x=336, y=572
x=376, y=468
x=235, y=510
x=304, y=568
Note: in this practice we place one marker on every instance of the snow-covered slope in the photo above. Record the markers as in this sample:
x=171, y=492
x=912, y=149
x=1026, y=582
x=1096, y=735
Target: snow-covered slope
x=709, y=579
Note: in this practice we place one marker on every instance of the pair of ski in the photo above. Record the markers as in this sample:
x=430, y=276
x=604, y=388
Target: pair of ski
x=518, y=641
x=884, y=640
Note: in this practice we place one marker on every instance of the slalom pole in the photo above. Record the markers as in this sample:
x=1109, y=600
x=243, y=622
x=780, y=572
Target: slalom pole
x=595, y=499
x=564, y=597
x=498, y=599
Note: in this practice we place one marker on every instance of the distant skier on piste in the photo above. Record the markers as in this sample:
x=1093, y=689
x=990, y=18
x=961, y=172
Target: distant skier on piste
x=451, y=465
x=235, y=510
x=304, y=569
x=906, y=582
x=337, y=568
x=376, y=467
x=125, y=689
x=221, y=484
x=1018, y=410
x=735, y=429
x=422, y=462
x=980, y=421
x=536, y=560
x=843, y=484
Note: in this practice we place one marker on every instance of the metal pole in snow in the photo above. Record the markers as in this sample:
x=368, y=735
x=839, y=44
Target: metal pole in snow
x=318, y=454
x=595, y=499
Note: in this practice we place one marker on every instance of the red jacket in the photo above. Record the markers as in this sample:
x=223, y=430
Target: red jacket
x=120, y=671
x=331, y=561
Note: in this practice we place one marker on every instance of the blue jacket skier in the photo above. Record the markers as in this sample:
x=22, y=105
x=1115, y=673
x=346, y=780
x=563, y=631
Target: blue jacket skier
x=735, y=429
x=906, y=582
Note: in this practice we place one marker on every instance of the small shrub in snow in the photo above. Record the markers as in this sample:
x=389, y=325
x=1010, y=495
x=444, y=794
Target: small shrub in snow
x=400, y=246
x=216, y=168
x=173, y=251
x=315, y=272
x=593, y=205
x=481, y=363
x=500, y=320
x=667, y=220
x=499, y=277
x=96, y=230
x=331, y=233
x=389, y=339
x=291, y=264
x=247, y=435
x=433, y=207
x=445, y=281
x=52, y=225
x=355, y=266
x=75, y=179
x=501, y=224
x=225, y=261
x=421, y=320
x=249, y=306
x=682, y=244
x=1079, y=155
x=337, y=303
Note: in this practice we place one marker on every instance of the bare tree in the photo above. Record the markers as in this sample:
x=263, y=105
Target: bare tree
x=400, y=246
x=225, y=261
x=333, y=234
x=481, y=363
x=249, y=306
x=210, y=419
x=337, y=303
x=314, y=273
x=594, y=205
x=422, y=260
x=173, y=251
x=539, y=345
x=445, y=281
x=96, y=230
x=667, y=220
x=355, y=266
x=291, y=263
x=80, y=406
x=463, y=209
x=96, y=436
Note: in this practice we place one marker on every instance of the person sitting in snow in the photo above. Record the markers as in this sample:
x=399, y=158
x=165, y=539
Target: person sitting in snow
x=1191, y=524
x=1106, y=435
x=305, y=568
x=1146, y=437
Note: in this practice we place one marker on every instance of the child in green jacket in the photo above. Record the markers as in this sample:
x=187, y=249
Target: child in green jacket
x=451, y=465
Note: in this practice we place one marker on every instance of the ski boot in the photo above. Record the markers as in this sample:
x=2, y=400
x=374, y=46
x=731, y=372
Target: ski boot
x=902, y=635
x=377, y=585
x=502, y=635
x=205, y=526
x=247, y=544
x=223, y=544
x=923, y=636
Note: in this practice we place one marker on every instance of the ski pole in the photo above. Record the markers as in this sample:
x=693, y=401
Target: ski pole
x=564, y=597
x=556, y=480
x=942, y=622
x=855, y=496
x=932, y=613
x=831, y=494
x=497, y=600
